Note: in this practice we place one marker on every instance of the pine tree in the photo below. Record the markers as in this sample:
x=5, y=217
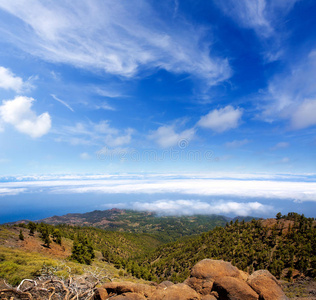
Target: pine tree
x=57, y=236
x=32, y=226
x=82, y=250
x=21, y=236
x=45, y=236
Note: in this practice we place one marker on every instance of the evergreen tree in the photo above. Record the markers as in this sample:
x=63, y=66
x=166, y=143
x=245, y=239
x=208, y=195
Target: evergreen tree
x=45, y=236
x=32, y=226
x=57, y=236
x=82, y=250
x=21, y=236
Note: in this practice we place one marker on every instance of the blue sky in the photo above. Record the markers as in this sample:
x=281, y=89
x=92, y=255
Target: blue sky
x=188, y=88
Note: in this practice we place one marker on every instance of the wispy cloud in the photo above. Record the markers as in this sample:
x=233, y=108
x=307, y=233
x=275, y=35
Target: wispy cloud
x=105, y=106
x=222, y=119
x=292, y=95
x=108, y=93
x=266, y=18
x=62, y=102
x=18, y=112
x=280, y=145
x=305, y=114
x=11, y=191
x=259, y=15
x=120, y=38
x=85, y=156
x=237, y=143
x=90, y=133
x=249, y=14
x=285, y=160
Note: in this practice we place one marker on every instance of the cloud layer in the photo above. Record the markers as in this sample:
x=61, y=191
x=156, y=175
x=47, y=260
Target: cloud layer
x=191, y=207
x=257, y=188
x=18, y=112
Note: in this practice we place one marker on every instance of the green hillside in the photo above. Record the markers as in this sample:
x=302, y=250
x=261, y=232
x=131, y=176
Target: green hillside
x=286, y=246
x=282, y=246
x=165, y=228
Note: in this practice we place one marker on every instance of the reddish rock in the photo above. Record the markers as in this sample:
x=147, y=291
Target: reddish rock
x=129, y=296
x=129, y=287
x=230, y=288
x=212, y=269
x=201, y=286
x=244, y=275
x=165, y=284
x=100, y=294
x=208, y=297
x=175, y=292
x=266, y=285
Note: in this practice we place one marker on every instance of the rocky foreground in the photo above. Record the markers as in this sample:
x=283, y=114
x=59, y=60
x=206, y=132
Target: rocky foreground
x=209, y=280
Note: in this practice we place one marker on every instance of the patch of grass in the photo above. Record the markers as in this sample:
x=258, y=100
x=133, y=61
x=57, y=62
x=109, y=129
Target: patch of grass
x=5, y=233
x=16, y=265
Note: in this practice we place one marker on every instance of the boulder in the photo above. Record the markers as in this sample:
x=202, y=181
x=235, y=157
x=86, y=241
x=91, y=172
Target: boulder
x=178, y=291
x=129, y=287
x=165, y=284
x=266, y=285
x=212, y=269
x=208, y=297
x=244, y=275
x=201, y=286
x=230, y=288
x=129, y=296
x=100, y=294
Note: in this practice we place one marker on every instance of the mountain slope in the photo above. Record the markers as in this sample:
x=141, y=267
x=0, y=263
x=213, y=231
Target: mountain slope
x=285, y=247
x=166, y=228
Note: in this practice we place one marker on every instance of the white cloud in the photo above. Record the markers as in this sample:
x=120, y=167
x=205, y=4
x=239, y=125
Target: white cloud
x=221, y=119
x=18, y=113
x=104, y=127
x=85, y=156
x=280, y=145
x=124, y=139
x=191, y=207
x=166, y=136
x=305, y=115
x=237, y=143
x=9, y=81
x=118, y=38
